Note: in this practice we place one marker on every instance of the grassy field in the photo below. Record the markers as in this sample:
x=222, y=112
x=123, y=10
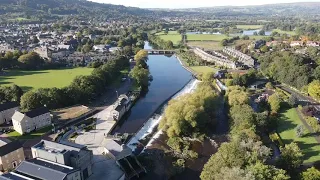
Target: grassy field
x=246, y=27
x=285, y=32
x=203, y=69
x=207, y=45
x=175, y=38
x=169, y=33
x=205, y=37
x=287, y=123
x=43, y=79
x=16, y=136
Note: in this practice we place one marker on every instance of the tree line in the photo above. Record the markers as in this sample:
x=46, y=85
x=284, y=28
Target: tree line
x=245, y=157
x=82, y=89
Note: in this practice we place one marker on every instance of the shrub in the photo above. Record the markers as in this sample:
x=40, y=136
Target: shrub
x=299, y=131
x=313, y=123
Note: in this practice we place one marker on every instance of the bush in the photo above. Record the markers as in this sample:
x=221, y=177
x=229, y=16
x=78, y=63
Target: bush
x=313, y=123
x=179, y=166
x=276, y=139
x=299, y=131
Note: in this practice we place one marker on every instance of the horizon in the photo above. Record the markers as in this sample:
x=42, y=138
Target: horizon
x=179, y=4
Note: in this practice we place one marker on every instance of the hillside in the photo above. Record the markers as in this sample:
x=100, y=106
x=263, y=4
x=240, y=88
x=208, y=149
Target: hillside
x=48, y=8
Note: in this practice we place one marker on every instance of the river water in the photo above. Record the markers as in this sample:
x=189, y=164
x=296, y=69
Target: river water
x=169, y=77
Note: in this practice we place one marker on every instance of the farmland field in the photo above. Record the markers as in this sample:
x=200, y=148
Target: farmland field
x=285, y=32
x=245, y=27
x=205, y=37
x=173, y=36
x=287, y=123
x=43, y=78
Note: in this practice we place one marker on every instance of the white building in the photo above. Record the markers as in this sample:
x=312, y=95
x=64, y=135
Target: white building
x=32, y=120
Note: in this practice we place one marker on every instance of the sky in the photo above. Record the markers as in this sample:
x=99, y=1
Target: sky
x=194, y=3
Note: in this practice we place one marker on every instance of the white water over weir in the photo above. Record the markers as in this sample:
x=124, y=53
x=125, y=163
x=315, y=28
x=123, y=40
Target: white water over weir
x=149, y=126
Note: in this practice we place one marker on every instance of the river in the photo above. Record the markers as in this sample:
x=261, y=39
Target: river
x=169, y=77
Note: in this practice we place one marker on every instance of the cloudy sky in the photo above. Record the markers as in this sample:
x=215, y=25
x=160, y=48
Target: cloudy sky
x=193, y=3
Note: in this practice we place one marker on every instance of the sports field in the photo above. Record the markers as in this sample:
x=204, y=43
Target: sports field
x=246, y=27
x=42, y=79
x=287, y=123
x=205, y=37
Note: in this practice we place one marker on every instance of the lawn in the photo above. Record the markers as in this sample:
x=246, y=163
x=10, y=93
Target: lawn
x=206, y=37
x=43, y=79
x=207, y=45
x=247, y=27
x=203, y=69
x=285, y=32
x=15, y=135
x=175, y=38
x=287, y=123
x=169, y=33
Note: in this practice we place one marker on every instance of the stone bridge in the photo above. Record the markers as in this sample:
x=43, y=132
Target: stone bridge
x=158, y=51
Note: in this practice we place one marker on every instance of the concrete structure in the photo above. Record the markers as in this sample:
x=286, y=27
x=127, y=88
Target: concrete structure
x=156, y=51
x=115, y=150
x=242, y=58
x=11, y=154
x=121, y=106
x=214, y=59
x=31, y=120
x=65, y=153
x=7, y=110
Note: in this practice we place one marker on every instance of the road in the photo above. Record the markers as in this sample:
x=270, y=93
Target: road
x=303, y=100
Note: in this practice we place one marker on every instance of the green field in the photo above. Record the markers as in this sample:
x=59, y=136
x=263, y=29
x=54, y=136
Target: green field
x=169, y=33
x=203, y=69
x=14, y=135
x=246, y=27
x=205, y=37
x=43, y=79
x=287, y=123
x=175, y=38
x=285, y=32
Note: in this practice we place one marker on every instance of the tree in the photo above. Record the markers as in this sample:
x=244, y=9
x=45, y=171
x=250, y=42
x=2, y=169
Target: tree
x=224, y=42
x=291, y=157
x=141, y=59
x=316, y=73
x=233, y=173
x=32, y=60
x=86, y=48
x=208, y=77
x=314, y=89
x=274, y=103
x=267, y=172
x=264, y=49
x=237, y=96
x=299, y=130
x=140, y=75
x=293, y=101
x=30, y=100
x=311, y=174
x=262, y=33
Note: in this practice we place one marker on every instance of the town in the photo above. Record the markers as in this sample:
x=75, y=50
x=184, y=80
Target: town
x=90, y=90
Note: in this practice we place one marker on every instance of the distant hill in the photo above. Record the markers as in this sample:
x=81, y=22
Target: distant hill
x=43, y=8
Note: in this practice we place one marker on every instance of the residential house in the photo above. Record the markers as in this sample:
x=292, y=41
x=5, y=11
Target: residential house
x=7, y=110
x=11, y=154
x=65, y=153
x=242, y=58
x=41, y=169
x=214, y=59
x=122, y=105
x=31, y=120
x=296, y=43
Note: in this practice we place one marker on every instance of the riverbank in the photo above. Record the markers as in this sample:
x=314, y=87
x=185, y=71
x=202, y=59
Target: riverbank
x=147, y=132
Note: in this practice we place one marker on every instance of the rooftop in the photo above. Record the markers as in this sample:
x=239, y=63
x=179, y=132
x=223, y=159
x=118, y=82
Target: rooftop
x=37, y=112
x=9, y=147
x=54, y=147
x=44, y=169
x=8, y=105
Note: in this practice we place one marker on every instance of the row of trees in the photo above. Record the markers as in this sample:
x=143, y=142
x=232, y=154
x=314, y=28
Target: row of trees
x=288, y=68
x=21, y=60
x=160, y=43
x=10, y=93
x=140, y=73
x=83, y=89
x=245, y=156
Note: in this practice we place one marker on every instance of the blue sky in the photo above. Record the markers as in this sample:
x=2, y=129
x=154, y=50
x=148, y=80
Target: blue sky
x=193, y=3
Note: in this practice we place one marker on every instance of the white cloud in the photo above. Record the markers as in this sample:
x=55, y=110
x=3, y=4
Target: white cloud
x=191, y=3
